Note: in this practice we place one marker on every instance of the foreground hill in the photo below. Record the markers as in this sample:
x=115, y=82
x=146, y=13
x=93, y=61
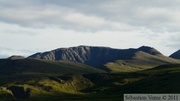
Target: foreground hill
x=19, y=69
x=175, y=55
x=109, y=59
x=161, y=79
x=94, y=86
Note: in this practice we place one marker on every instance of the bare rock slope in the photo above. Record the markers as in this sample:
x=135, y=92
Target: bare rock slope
x=93, y=56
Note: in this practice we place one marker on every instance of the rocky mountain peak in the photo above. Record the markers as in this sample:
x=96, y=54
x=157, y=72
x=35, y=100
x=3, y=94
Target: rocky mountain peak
x=92, y=55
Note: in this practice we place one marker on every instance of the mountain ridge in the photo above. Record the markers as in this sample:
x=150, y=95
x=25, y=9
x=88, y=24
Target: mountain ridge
x=92, y=55
x=140, y=61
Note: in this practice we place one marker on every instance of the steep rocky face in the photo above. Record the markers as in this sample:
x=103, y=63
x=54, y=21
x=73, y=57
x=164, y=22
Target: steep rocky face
x=176, y=55
x=93, y=56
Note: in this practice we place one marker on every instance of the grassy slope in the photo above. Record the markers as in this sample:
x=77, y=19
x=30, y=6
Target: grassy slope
x=140, y=61
x=37, y=75
x=161, y=79
x=101, y=86
x=12, y=70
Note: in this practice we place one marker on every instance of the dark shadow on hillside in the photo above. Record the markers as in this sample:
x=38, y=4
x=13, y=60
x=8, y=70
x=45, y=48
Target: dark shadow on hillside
x=20, y=92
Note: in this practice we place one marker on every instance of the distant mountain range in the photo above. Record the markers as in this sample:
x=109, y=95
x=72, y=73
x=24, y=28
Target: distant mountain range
x=93, y=56
x=102, y=57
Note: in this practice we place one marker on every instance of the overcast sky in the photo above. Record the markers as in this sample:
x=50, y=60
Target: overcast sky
x=30, y=26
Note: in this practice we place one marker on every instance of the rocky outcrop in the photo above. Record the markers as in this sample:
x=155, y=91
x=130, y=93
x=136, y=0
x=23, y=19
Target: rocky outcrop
x=93, y=56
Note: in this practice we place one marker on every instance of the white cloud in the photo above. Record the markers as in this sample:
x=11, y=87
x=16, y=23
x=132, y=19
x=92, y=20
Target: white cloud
x=52, y=15
x=44, y=25
x=110, y=15
x=80, y=19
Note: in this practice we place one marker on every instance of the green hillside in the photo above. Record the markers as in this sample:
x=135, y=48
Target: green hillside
x=162, y=79
x=139, y=61
x=92, y=86
x=17, y=70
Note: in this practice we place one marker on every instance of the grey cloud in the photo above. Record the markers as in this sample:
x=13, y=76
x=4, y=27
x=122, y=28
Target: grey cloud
x=157, y=16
